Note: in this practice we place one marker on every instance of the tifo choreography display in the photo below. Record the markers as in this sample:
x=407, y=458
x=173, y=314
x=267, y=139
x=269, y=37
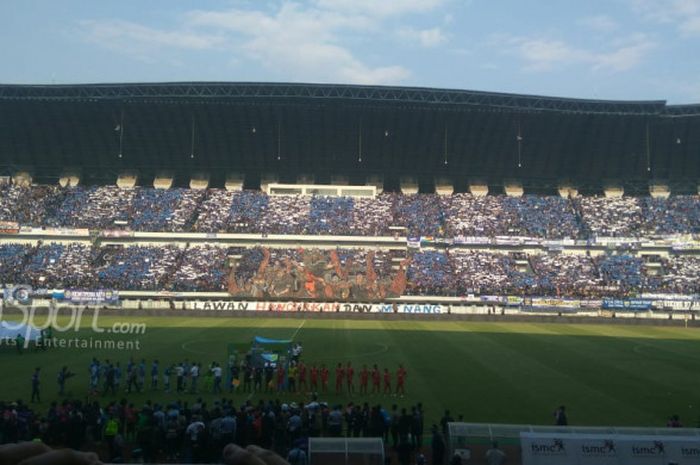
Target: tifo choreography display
x=344, y=274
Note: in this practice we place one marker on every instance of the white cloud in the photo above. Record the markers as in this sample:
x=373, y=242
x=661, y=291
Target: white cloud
x=143, y=42
x=303, y=43
x=625, y=56
x=543, y=54
x=684, y=14
x=427, y=38
x=293, y=40
x=599, y=23
x=665, y=11
x=379, y=8
x=690, y=27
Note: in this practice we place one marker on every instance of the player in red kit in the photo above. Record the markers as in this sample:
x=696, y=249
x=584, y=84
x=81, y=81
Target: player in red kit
x=301, y=377
x=401, y=381
x=339, y=375
x=281, y=375
x=376, y=380
x=364, y=377
x=350, y=378
x=387, y=381
x=324, y=378
x=313, y=372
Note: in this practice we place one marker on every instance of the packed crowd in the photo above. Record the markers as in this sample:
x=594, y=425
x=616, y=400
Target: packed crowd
x=218, y=210
x=344, y=274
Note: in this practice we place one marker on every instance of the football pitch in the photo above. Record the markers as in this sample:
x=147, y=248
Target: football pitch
x=488, y=372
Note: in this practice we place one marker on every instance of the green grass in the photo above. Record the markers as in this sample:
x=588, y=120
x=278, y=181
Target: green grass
x=489, y=372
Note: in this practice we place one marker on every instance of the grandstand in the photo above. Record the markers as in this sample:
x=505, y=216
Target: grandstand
x=406, y=194
x=357, y=207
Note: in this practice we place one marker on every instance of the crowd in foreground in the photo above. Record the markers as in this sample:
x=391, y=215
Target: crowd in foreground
x=190, y=430
x=462, y=214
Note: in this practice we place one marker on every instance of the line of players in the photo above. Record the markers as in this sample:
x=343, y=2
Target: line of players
x=301, y=378
x=297, y=377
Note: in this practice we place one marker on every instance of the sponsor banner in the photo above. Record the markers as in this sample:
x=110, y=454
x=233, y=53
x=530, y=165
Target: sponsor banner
x=617, y=240
x=677, y=305
x=683, y=246
x=470, y=298
x=644, y=450
x=116, y=233
x=17, y=295
x=413, y=242
x=9, y=227
x=493, y=299
x=549, y=310
x=611, y=449
x=555, y=302
x=62, y=231
x=169, y=294
x=541, y=449
x=514, y=301
x=505, y=240
x=83, y=297
x=559, y=243
x=471, y=240
x=653, y=296
x=243, y=305
x=627, y=304
x=591, y=303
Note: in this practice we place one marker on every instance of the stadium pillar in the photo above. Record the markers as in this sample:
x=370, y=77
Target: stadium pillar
x=479, y=189
x=22, y=178
x=127, y=180
x=409, y=185
x=614, y=191
x=338, y=180
x=566, y=191
x=267, y=179
x=514, y=189
x=376, y=181
x=69, y=179
x=234, y=182
x=199, y=181
x=658, y=190
x=163, y=181
x=443, y=186
x=305, y=179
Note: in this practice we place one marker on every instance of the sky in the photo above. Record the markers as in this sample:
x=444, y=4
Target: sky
x=600, y=49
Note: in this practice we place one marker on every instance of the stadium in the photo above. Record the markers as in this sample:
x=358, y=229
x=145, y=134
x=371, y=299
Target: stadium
x=499, y=255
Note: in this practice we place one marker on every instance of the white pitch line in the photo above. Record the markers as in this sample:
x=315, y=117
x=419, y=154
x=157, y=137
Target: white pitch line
x=298, y=329
x=185, y=347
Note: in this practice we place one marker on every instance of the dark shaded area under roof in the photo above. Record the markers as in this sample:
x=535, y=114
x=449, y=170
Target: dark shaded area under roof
x=355, y=131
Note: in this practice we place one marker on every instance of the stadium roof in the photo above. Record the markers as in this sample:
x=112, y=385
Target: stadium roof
x=326, y=129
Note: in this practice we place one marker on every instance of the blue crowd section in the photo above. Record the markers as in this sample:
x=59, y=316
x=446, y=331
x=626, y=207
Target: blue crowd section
x=217, y=210
x=345, y=273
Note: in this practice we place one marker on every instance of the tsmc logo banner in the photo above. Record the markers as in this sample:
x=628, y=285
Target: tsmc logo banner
x=612, y=449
